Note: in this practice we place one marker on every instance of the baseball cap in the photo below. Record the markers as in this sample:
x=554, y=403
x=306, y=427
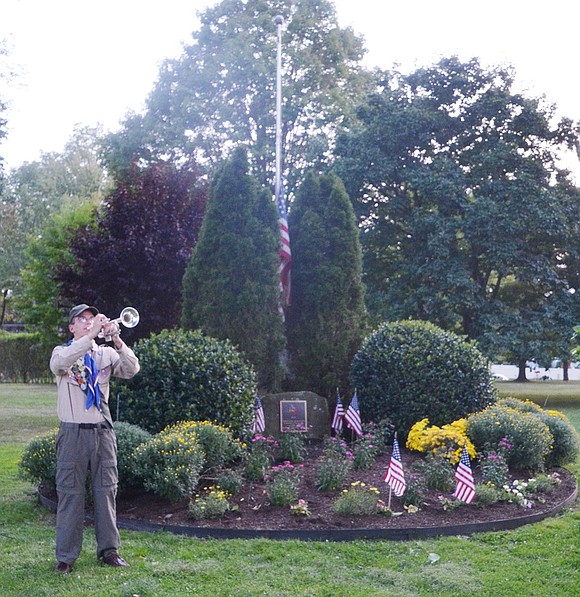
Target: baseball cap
x=76, y=311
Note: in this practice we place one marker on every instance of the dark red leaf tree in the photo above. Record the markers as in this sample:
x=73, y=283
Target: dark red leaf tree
x=138, y=252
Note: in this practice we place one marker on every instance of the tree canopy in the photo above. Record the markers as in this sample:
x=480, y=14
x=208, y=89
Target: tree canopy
x=456, y=182
x=39, y=299
x=222, y=90
x=136, y=256
x=37, y=190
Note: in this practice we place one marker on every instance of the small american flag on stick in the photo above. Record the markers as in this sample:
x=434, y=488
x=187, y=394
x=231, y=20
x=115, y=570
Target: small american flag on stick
x=352, y=416
x=337, y=420
x=395, y=476
x=259, y=422
x=465, y=490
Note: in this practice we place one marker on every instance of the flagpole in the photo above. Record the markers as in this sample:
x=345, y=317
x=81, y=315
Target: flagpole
x=279, y=20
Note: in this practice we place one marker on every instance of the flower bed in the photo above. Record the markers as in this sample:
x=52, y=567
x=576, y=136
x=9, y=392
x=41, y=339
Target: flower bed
x=251, y=514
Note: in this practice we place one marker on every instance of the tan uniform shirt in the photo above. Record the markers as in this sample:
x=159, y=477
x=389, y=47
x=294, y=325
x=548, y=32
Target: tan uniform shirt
x=71, y=405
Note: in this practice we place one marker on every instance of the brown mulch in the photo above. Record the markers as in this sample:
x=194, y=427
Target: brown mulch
x=252, y=510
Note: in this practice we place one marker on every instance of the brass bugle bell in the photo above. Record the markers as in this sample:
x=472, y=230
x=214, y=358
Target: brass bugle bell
x=129, y=318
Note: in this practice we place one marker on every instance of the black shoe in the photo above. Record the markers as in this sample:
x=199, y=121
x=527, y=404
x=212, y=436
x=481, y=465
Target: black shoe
x=63, y=568
x=115, y=560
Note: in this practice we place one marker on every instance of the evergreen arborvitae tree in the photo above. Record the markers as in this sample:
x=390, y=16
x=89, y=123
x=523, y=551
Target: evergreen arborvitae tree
x=230, y=287
x=327, y=318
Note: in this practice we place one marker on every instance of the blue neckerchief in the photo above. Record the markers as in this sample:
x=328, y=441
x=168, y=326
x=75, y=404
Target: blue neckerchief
x=92, y=385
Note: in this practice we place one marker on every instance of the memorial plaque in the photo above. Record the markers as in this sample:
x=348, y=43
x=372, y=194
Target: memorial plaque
x=293, y=415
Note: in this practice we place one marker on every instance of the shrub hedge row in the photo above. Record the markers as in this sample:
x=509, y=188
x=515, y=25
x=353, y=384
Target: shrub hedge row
x=24, y=358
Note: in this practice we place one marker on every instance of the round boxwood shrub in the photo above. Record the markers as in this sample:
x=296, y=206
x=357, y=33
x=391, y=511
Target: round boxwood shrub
x=186, y=376
x=529, y=437
x=410, y=370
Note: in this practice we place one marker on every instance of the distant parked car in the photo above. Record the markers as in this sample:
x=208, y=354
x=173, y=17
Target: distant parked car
x=499, y=377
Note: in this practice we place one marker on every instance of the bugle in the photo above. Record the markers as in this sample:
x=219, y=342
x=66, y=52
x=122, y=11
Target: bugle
x=129, y=318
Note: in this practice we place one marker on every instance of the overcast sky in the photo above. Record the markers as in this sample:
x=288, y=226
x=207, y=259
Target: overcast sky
x=82, y=62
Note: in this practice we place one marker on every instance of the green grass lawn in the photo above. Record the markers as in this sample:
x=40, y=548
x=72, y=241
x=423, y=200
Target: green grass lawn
x=26, y=411
x=542, y=559
x=548, y=394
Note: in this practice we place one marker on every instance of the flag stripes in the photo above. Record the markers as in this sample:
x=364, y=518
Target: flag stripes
x=259, y=422
x=338, y=419
x=284, y=252
x=395, y=476
x=465, y=489
x=352, y=416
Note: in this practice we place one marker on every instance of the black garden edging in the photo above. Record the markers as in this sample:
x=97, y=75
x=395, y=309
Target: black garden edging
x=396, y=534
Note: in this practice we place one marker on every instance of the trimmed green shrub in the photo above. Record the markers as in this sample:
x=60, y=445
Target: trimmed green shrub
x=170, y=464
x=24, y=358
x=410, y=370
x=566, y=445
x=186, y=376
x=230, y=287
x=128, y=438
x=38, y=462
x=530, y=438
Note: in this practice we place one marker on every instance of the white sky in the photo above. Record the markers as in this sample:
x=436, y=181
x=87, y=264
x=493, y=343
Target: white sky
x=84, y=62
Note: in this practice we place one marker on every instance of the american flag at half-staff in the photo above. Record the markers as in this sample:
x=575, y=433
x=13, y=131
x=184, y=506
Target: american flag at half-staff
x=395, y=476
x=352, y=416
x=465, y=489
x=337, y=420
x=259, y=422
x=284, y=252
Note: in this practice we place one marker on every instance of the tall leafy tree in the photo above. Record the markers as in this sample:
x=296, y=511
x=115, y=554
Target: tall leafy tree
x=221, y=91
x=456, y=181
x=39, y=297
x=327, y=318
x=40, y=188
x=230, y=288
x=37, y=190
x=138, y=253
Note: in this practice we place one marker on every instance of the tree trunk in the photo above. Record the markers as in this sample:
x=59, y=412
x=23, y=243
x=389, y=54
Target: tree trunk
x=565, y=367
x=522, y=370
